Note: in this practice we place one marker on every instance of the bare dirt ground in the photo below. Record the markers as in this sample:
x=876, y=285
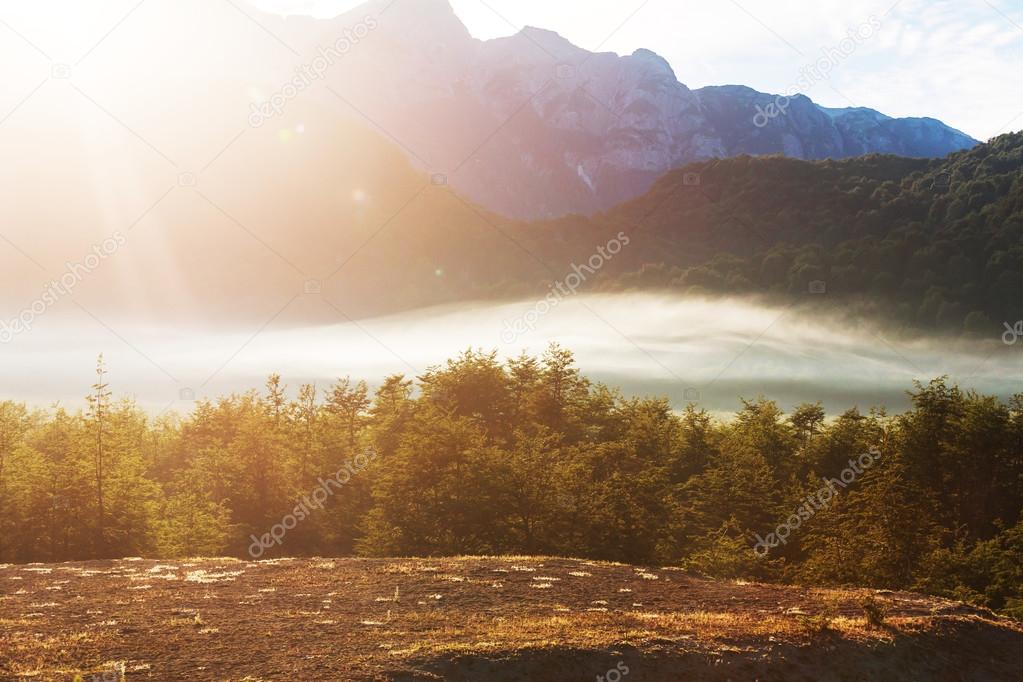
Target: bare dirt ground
x=472, y=618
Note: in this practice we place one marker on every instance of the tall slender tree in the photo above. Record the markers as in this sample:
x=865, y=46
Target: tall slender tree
x=99, y=410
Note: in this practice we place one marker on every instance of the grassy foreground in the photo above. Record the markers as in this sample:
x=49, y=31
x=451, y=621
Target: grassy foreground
x=493, y=618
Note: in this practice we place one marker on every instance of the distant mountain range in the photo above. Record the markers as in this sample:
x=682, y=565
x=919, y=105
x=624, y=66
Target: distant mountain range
x=532, y=126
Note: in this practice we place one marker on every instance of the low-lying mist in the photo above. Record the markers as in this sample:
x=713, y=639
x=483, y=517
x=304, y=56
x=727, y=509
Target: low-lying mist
x=711, y=352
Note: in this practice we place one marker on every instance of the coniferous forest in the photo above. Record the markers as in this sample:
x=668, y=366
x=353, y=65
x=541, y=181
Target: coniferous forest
x=527, y=456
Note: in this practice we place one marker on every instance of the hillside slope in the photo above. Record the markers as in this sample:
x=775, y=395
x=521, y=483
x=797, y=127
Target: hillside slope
x=338, y=206
x=935, y=244
x=511, y=618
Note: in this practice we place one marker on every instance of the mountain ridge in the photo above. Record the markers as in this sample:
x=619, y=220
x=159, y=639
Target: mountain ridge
x=532, y=126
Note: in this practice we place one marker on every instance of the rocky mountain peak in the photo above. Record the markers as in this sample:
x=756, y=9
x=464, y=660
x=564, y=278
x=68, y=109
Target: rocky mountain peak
x=654, y=60
x=552, y=44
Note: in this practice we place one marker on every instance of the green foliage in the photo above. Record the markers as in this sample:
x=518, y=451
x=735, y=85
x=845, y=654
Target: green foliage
x=931, y=244
x=988, y=573
x=527, y=456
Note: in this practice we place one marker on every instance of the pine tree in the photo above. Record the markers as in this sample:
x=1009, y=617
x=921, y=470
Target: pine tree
x=347, y=404
x=99, y=408
x=306, y=415
x=14, y=423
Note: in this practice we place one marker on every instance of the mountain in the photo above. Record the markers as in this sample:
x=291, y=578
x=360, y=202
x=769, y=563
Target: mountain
x=356, y=185
x=320, y=198
x=532, y=126
x=812, y=132
x=929, y=244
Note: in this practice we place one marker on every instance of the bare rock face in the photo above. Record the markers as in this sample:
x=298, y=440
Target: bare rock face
x=532, y=126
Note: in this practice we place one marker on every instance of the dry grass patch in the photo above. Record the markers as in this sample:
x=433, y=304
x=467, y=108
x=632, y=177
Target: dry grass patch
x=348, y=618
x=439, y=633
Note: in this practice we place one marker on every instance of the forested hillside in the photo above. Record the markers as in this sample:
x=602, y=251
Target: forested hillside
x=926, y=245
x=529, y=457
x=932, y=244
x=922, y=244
x=929, y=244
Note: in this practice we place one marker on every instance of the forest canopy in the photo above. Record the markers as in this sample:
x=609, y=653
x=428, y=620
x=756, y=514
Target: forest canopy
x=930, y=244
x=527, y=456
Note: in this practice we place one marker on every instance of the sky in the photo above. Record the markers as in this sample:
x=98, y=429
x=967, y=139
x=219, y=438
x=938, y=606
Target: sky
x=956, y=60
